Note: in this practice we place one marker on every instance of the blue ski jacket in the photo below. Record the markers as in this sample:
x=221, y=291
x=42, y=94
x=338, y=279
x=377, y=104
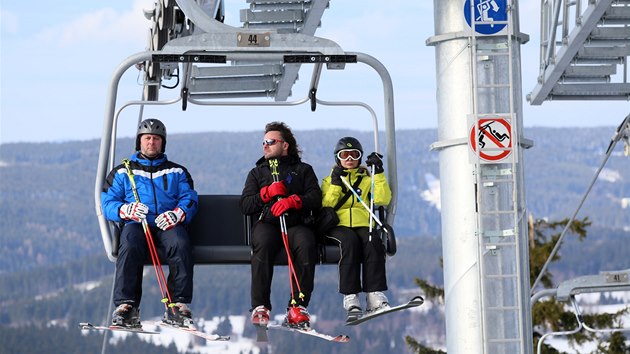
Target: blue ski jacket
x=162, y=185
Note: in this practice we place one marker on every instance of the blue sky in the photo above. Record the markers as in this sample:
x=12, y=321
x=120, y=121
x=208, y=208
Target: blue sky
x=57, y=59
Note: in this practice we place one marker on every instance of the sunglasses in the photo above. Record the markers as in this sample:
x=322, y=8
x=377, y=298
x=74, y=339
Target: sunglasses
x=270, y=142
x=353, y=154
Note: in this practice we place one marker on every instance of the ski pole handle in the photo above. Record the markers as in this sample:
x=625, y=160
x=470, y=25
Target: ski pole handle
x=371, y=198
x=273, y=165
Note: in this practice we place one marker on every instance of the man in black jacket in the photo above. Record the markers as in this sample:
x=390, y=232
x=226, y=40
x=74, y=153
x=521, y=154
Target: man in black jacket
x=292, y=195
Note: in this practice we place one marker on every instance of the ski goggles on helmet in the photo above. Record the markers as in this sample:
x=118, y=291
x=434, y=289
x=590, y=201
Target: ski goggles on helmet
x=349, y=154
x=270, y=142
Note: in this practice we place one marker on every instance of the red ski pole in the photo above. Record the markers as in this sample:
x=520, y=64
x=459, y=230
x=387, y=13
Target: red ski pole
x=273, y=164
x=155, y=259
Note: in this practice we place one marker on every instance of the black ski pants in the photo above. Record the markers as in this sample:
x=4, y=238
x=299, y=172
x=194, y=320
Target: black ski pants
x=266, y=243
x=176, y=248
x=357, y=250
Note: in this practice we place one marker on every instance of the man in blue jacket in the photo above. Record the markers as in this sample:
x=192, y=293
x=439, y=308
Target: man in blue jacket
x=167, y=200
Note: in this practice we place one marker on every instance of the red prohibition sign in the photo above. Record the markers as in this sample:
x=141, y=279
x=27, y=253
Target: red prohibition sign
x=493, y=133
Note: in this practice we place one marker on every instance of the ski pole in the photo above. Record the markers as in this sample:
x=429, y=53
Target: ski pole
x=371, y=200
x=273, y=164
x=155, y=259
x=285, y=240
x=363, y=203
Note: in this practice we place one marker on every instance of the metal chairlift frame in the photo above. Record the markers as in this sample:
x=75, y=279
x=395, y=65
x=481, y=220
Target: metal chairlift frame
x=567, y=290
x=181, y=48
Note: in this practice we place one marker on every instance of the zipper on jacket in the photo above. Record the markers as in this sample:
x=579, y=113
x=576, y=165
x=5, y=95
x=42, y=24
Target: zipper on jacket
x=157, y=210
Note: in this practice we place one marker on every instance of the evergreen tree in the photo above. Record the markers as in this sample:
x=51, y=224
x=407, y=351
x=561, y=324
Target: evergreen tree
x=224, y=328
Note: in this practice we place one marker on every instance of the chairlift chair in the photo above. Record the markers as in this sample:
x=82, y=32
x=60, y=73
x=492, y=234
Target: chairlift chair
x=220, y=65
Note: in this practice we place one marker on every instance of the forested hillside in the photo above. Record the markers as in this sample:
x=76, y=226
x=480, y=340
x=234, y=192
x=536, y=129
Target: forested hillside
x=53, y=267
x=47, y=189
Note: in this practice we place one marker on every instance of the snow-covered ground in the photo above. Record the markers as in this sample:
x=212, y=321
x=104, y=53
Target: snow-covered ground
x=609, y=175
x=432, y=194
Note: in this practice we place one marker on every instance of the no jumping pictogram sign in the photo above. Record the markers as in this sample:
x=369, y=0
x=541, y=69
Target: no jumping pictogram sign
x=493, y=136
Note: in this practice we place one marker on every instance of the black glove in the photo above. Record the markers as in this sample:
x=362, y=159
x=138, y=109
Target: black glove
x=374, y=159
x=335, y=175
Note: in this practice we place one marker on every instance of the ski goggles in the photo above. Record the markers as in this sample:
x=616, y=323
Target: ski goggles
x=346, y=154
x=270, y=142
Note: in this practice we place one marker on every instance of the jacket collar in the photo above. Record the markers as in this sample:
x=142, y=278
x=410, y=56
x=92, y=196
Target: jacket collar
x=283, y=160
x=358, y=171
x=137, y=157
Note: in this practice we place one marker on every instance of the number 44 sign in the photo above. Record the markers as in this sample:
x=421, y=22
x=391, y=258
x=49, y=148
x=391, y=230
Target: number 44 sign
x=493, y=138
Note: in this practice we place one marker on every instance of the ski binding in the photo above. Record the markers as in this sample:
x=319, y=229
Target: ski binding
x=192, y=330
x=414, y=302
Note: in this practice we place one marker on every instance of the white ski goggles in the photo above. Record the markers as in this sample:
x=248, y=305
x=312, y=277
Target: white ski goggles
x=349, y=154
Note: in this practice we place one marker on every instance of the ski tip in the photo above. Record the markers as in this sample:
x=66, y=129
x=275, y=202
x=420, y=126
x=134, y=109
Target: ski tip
x=417, y=300
x=342, y=338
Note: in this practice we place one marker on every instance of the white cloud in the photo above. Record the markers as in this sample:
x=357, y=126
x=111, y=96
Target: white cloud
x=103, y=26
x=8, y=21
x=360, y=28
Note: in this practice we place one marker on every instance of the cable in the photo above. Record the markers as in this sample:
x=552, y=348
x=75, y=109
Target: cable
x=556, y=247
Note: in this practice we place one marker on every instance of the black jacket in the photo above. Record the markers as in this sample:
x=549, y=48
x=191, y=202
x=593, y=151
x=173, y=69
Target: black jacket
x=299, y=179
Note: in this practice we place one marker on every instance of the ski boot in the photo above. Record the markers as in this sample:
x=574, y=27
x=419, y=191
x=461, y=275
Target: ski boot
x=376, y=301
x=179, y=315
x=353, y=307
x=260, y=316
x=126, y=315
x=297, y=317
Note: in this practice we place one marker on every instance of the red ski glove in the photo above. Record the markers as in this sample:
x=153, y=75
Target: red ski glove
x=168, y=219
x=282, y=205
x=267, y=193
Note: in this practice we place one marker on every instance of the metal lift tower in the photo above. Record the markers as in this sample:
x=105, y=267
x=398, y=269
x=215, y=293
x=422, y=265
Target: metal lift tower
x=484, y=228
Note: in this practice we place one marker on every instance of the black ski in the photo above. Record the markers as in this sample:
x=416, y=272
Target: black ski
x=341, y=338
x=89, y=326
x=416, y=301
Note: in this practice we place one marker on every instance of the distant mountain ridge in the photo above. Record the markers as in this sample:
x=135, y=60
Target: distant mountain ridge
x=47, y=189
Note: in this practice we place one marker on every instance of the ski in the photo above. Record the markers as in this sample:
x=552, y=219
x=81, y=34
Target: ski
x=89, y=326
x=416, y=301
x=342, y=338
x=192, y=330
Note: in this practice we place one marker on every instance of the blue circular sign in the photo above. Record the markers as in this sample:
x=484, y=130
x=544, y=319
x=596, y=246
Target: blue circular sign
x=486, y=12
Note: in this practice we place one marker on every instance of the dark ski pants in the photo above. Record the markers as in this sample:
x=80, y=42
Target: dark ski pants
x=356, y=251
x=173, y=244
x=266, y=243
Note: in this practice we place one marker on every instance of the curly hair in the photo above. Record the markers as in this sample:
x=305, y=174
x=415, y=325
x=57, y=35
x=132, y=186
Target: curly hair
x=287, y=136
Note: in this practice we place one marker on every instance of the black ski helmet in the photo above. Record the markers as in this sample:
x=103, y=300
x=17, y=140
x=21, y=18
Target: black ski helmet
x=347, y=142
x=151, y=126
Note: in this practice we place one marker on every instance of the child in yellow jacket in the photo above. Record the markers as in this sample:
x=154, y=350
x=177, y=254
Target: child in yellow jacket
x=362, y=264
